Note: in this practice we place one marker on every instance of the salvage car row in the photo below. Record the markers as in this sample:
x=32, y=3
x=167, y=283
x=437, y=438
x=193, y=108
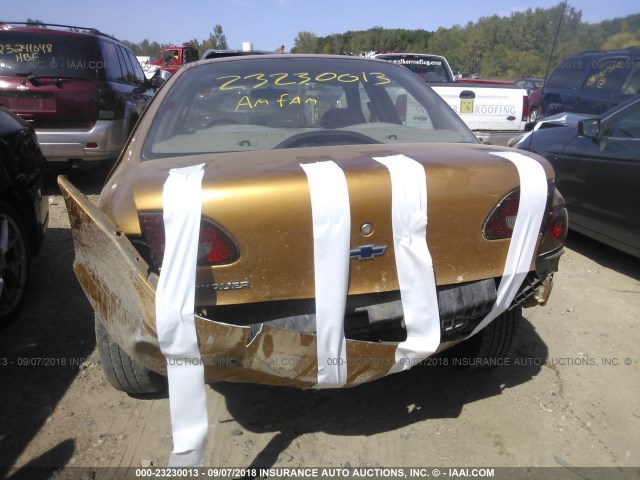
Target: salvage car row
x=589, y=131
x=312, y=178
x=597, y=162
x=81, y=93
x=282, y=145
x=331, y=209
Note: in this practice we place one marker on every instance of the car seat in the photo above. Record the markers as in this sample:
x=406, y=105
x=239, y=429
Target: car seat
x=341, y=117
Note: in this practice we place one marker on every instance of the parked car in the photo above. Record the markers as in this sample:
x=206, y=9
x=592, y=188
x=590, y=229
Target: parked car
x=496, y=111
x=283, y=145
x=24, y=211
x=592, y=82
x=534, y=87
x=535, y=97
x=597, y=163
x=430, y=68
x=82, y=90
x=529, y=84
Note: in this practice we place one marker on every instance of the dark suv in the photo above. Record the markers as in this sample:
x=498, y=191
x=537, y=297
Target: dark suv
x=592, y=82
x=82, y=90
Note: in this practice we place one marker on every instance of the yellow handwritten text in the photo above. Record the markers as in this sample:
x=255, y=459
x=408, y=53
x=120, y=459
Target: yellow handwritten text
x=25, y=52
x=257, y=80
x=285, y=100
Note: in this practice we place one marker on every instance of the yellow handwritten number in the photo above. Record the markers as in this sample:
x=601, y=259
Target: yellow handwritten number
x=259, y=76
x=281, y=76
x=234, y=78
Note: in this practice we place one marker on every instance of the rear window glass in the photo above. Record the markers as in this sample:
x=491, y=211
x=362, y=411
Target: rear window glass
x=569, y=73
x=49, y=54
x=113, y=70
x=255, y=104
x=608, y=74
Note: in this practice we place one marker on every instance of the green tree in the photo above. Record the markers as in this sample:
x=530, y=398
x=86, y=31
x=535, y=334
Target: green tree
x=305, y=42
x=494, y=47
x=144, y=48
x=217, y=41
x=628, y=36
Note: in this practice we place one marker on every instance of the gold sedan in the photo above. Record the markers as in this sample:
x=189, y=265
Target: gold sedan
x=312, y=221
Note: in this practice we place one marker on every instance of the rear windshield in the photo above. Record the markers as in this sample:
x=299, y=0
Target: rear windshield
x=607, y=74
x=569, y=73
x=258, y=103
x=429, y=68
x=49, y=54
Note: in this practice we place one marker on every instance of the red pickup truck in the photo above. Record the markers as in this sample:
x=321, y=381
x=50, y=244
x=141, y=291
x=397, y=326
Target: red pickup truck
x=173, y=57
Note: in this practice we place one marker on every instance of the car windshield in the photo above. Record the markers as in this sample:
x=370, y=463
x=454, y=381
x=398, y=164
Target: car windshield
x=48, y=54
x=263, y=103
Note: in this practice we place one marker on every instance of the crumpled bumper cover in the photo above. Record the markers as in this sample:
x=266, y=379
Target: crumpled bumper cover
x=121, y=288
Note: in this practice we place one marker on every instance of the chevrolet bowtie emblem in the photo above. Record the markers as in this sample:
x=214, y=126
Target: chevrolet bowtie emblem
x=367, y=252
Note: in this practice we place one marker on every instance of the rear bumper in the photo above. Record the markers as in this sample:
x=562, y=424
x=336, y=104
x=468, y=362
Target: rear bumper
x=122, y=288
x=74, y=145
x=374, y=317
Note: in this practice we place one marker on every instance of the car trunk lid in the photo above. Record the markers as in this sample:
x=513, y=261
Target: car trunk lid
x=262, y=200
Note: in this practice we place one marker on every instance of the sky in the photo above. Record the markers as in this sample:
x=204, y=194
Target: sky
x=267, y=24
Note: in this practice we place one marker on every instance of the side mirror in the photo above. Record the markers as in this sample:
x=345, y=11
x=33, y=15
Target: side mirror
x=156, y=82
x=589, y=128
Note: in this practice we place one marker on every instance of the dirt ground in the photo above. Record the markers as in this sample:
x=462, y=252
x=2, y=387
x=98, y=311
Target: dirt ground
x=569, y=399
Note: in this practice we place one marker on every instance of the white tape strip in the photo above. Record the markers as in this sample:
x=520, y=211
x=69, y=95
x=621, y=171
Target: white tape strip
x=533, y=200
x=413, y=261
x=331, y=240
x=175, y=296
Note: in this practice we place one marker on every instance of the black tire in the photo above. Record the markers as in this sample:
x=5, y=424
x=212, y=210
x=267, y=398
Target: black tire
x=14, y=263
x=533, y=115
x=123, y=372
x=491, y=346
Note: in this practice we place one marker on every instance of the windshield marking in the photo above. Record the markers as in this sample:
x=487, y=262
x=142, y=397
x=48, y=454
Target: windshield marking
x=374, y=78
x=282, y=102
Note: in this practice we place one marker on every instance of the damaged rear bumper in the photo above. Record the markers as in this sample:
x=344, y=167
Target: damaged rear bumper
x=121, y=288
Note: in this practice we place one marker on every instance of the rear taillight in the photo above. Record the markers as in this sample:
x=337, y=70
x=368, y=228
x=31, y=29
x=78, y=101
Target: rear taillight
x=503, y=218
x=108, y=104
x=554, y=226
x=215, y=246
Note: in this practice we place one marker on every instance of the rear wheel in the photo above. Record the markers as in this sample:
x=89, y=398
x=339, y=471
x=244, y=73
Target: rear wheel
x=491, y=345
x=122, y=371
x=14, y=262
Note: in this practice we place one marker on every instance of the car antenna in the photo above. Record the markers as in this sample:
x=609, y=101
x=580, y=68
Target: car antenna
x=555, y=40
